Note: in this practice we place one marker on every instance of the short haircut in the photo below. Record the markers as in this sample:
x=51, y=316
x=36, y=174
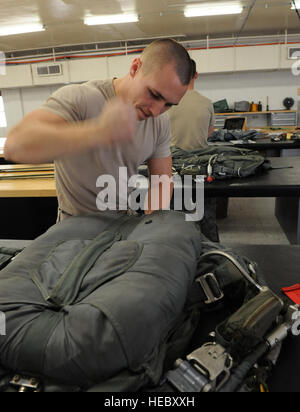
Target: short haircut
x=167, y=51
x=194, y=69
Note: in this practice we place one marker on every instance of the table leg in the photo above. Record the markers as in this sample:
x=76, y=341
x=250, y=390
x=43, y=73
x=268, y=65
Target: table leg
x=287, y=211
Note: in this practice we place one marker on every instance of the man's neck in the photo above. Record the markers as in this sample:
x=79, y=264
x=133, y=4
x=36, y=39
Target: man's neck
x=119, y=86
x=191, y=86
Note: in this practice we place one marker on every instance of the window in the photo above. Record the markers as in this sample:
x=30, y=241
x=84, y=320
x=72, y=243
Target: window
x=2, y=113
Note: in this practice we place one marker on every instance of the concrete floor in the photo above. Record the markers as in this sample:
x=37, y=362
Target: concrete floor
x=251, y=221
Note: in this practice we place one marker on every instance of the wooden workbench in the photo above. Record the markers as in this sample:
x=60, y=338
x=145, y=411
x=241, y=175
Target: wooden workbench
x=28, y=188
x=28, y=205
x=12, y=185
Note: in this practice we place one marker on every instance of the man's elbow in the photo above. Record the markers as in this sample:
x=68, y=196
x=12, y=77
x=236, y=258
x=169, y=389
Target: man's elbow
x=13, y=152
x=8, y=149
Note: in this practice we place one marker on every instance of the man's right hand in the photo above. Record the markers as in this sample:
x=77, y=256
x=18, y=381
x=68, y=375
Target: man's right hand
x=117, y=123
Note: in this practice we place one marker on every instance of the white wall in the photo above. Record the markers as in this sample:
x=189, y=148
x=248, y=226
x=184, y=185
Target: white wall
x=251, y=86
x=233, y=85
x=19, y=102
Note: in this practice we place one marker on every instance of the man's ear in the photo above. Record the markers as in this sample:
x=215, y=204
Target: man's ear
x=135, y=66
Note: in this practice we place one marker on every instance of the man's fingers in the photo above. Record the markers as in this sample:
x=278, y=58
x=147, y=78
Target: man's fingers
x=118, y=122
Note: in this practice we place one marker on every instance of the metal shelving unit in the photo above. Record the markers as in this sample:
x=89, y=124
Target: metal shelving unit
x=273, y=118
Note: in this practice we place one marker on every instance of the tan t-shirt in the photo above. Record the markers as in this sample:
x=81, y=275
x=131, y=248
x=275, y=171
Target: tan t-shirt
x=76, y=176
x=191, y=120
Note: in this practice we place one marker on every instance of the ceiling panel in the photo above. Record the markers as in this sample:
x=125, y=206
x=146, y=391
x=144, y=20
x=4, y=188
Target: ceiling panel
x=64, y=21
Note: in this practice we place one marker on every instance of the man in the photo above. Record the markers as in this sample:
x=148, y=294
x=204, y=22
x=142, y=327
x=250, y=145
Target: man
x=94, y=129
x=192, y=121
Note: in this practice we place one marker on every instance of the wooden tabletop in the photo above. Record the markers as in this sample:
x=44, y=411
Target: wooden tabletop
x=27, y=181
x=28, y=188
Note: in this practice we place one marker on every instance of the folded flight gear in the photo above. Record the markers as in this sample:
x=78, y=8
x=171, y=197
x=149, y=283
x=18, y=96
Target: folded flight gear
x=107, y=302
x=219, y=162
x=6, y=255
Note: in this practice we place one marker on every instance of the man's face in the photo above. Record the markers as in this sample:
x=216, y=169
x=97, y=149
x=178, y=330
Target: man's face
x=154, y=93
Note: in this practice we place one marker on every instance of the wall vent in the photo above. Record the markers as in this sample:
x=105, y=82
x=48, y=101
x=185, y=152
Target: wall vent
x=293, y=53
x=49, y=70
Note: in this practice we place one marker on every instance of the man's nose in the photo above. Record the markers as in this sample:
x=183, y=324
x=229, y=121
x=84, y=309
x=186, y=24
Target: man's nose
x=157, y=108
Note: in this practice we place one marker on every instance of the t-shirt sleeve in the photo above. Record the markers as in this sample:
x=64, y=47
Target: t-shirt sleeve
x=69, y=102
x=163, y=144
x=212, y=115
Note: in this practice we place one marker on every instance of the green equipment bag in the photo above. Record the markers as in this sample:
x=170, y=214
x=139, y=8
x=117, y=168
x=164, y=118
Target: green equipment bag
x=106, y=302
x=219, y=162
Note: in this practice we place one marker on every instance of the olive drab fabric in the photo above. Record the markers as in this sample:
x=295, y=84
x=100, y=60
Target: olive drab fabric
x=107, y=303
x=226, y=162
x=96, y=297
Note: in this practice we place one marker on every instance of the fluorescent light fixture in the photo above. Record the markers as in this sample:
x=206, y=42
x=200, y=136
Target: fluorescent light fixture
x=111, y=19
x=21, y=28
x=215, y=9
x=297, y=5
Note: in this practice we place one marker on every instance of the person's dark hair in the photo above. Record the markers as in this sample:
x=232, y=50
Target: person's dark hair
x=166, y=51
x=194, y=69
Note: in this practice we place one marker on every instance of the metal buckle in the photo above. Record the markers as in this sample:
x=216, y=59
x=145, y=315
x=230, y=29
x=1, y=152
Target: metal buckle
x=211, y=288
x=25, y=384
x=186, y=378
x=214, y=362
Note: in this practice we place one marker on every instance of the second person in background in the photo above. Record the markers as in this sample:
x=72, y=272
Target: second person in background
x=192, y=121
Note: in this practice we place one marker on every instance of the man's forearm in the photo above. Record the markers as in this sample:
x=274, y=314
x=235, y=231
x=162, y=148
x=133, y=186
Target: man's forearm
x=40, y=142
x=43, y=136
x=159, y=197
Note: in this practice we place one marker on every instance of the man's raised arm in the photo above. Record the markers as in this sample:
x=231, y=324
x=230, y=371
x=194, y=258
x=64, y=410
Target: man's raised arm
x=43, y=136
